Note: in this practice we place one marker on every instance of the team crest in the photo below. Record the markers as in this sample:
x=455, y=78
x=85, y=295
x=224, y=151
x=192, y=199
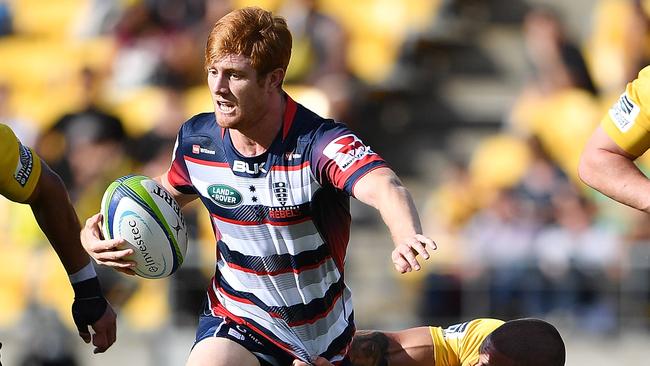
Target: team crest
x=280, y=192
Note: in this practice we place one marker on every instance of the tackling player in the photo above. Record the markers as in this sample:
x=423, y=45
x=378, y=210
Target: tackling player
x=276, y=179
x=24, y=178
x=607, y=162
x=480, y=342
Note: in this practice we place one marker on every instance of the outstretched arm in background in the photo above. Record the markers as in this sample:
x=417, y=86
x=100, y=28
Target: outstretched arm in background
x=382, y=189
x=57, y=218
x=609, y=169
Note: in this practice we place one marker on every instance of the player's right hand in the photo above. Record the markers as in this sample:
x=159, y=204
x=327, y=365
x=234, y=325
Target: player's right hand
x=105, y=252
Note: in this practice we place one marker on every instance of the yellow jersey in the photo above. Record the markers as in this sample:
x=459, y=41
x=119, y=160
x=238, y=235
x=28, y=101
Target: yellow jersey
x=628, y=120
x=458, y=345
x=20, y=167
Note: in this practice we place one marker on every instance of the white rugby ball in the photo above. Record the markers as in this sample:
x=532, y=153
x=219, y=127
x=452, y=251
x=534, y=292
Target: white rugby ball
x=143, y=213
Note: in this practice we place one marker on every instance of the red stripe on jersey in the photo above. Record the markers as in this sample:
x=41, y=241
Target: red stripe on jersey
x=290, y=168
x=280, y=271
x=265, y=221
x=176, y=176
x=319, y=316
x=339, y=177
x=221, y=310
x=220, y=164
x=289, y=113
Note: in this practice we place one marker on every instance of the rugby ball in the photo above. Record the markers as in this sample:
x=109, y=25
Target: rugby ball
x=143, y=213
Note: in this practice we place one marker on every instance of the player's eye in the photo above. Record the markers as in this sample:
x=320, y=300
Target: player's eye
x=212, y=71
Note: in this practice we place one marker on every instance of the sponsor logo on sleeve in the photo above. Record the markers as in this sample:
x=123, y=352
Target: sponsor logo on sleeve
x=346, y=150
x=25, y=165
x=624, y=112
x=456, y=331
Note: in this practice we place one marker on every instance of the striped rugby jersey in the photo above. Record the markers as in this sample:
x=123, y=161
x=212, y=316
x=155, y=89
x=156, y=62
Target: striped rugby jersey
x=282, y=224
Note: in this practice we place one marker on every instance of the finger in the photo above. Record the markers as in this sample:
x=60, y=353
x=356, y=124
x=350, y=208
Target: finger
x=85, y=336
x=298, y=363
x=427, y=241
x=320, y=361
x=114, y=255
x=127, y=271
x=401, y=265
x=100, y=341
x=410, y=257
x=110, y=245
x=419, y=248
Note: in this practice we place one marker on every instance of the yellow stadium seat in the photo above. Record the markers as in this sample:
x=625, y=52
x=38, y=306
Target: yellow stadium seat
x=499, y=161
x=138, y=109
x=197, y=100
x=148, y=309
x=45, y=18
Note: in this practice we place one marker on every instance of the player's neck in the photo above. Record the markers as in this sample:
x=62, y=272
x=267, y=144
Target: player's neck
x=258, y=138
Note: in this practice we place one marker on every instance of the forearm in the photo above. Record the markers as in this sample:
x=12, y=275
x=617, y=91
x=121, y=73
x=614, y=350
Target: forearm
x=56, y=217
x=617, y=177
x=398, y=212
x=412, y=347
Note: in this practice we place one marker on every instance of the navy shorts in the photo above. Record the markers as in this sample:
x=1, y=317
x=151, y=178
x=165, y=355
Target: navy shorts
x=266, y=352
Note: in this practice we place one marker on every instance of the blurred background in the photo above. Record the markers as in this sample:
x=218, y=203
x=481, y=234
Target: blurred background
x=481, y=106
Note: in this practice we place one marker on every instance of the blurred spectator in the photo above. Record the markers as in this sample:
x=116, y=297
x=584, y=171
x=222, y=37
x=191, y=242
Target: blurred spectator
x=499, y=255
x=618, y=44
x=6, y=19
x=319, y=43
x=580, y=262
x=558, y=104
x=86, y=126
x=156, y=45
x=23, y=128
x=540, y=182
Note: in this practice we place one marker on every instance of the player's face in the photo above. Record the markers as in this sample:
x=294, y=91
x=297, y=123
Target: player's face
x=240, y=99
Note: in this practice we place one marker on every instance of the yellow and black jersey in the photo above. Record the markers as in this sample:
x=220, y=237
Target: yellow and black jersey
x=628, y=121
x=458, y=345
x=20, y=167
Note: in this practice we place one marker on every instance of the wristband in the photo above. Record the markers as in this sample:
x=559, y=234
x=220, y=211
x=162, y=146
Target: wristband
x=87, y=289
x=83, y=274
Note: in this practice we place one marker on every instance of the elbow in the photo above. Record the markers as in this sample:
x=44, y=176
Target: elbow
x=588, y=169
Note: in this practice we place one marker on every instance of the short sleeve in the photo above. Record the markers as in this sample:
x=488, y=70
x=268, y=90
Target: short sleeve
x=178, y=175
x=628, y=120
x=20, y=167
x=340, y=158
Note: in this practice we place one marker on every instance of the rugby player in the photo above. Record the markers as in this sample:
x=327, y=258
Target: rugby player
x=276, y=179
x=24, y=178
x=480, y=342
x=607, y=162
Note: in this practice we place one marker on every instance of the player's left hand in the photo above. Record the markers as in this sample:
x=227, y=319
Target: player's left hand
x=320, y=361
x=85, y=313
x=405, y=253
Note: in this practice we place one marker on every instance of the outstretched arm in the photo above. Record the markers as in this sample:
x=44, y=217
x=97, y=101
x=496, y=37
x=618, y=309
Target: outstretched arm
x=609, y=169
x=58, y=220
x=410, y=347
x=382, y=189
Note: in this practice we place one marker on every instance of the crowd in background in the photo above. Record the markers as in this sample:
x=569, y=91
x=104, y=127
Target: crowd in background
x=101, y=90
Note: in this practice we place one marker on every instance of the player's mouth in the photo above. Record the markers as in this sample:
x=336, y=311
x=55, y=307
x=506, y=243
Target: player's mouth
x=225, y=107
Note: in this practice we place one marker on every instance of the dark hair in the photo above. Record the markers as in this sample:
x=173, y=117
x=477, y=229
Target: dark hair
x=527, y=342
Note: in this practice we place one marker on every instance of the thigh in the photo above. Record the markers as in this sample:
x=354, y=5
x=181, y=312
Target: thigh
x=215, y=351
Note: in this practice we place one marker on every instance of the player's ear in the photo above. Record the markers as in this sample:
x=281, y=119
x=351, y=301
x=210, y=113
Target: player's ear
x=275, y=78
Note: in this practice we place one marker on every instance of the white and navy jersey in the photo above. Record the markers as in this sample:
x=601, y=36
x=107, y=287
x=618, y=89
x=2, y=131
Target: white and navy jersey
x=282, y=225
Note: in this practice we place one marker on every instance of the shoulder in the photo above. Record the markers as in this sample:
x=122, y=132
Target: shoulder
x=8, y=146
x=199, y=123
